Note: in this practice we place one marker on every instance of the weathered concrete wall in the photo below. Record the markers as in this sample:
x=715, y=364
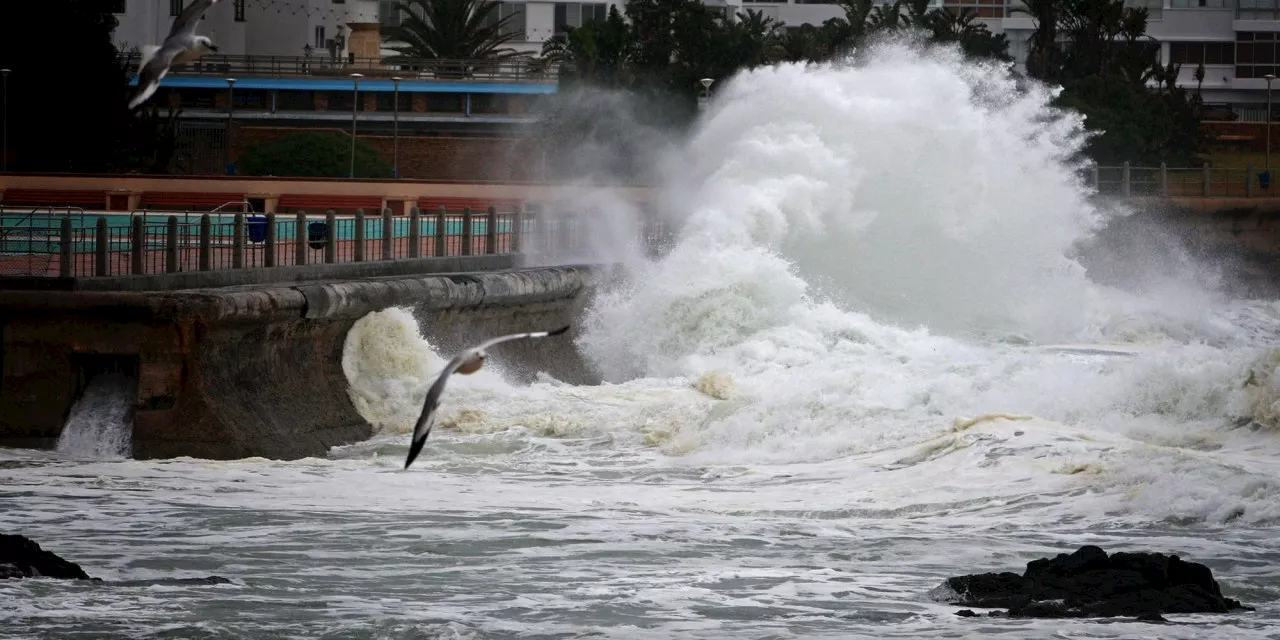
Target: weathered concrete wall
x=264, y=275
x=257, y=371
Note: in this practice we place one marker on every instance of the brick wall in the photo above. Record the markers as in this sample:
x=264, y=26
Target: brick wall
x=433, y=158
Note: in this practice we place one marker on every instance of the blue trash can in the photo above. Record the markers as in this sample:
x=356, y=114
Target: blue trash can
x=257, y=228
x=1264, y=179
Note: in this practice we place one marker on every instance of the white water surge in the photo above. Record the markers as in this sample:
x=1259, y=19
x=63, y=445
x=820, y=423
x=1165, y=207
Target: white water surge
x=846, y=381
x=100, y=423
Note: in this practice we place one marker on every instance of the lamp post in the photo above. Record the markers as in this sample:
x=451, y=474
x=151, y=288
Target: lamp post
x=5, y=154
x=355, y=106
x=1269, y=78
x=231, y=109
x=395, y=129
x=706, y=93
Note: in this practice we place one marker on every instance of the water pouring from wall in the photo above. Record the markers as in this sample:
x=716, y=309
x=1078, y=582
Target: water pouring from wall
x=100, y=423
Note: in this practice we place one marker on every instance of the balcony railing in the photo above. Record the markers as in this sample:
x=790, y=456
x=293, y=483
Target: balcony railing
x=522, y=69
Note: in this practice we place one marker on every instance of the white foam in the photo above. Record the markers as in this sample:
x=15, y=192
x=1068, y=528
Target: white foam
x=100, y=423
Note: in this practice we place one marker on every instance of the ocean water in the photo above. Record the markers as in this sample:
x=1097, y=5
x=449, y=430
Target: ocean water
x=870, y=361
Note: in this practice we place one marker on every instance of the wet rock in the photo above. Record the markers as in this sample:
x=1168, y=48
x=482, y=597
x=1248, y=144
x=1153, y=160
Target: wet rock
x=1090, y=583
x=21, y=557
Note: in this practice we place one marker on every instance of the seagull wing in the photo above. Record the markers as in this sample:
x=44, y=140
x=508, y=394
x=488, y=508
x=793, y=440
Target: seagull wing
x=516, y=336
x=427, y=419
x=149, y=74
x=185, y=23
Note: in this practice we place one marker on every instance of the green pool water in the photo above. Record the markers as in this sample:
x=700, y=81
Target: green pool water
x=23, y=233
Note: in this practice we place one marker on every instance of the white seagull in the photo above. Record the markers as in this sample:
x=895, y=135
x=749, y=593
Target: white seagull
x=180, y=47
x=467, y=362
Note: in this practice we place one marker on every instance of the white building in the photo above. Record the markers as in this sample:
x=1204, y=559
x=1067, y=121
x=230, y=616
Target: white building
x=1235, y=39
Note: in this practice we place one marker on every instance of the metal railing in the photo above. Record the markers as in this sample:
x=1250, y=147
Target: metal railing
x=212, y=242
x=520, y=69
x=1167, y=182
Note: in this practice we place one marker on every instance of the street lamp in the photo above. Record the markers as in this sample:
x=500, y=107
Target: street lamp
x=395, y=129
x=355, y=103
x=5, y=161
x=1269, y=78
x=706, y=92
x=231, y=109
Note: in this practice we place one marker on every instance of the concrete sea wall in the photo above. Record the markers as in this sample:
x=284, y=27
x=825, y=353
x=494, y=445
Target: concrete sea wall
x=257, y=370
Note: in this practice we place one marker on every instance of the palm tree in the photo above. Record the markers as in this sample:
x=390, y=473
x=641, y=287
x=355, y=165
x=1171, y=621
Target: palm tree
x=459, y=31
x=598, y=52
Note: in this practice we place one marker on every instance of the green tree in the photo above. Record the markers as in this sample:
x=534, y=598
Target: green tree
x=311, y=154
x=1110, y=71
x=67, y=106
x=456, y=30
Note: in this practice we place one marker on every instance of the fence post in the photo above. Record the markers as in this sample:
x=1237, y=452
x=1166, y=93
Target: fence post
x=442, y=219
x=388, y=233
x=101, y=246
x=517, y=228
x=331, y=236
x=237, y=242
x=269, y=243
x=1125, y=184
x=137, y=246
x=466, y=231
x=1248, y=180
x=1096, y=178
x=1164, y=179
x=491, y=232
x=206, y=242
x=358, y=255
x=300, y=238
x=1206, y=180
x=64, y=251
x=171, y=246
x=415, y=233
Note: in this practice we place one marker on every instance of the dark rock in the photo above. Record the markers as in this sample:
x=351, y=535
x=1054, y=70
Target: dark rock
x=21, y=557
x=966, y=613
x=1089, y=583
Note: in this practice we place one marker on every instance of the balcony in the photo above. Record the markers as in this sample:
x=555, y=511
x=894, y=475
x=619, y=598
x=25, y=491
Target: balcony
x=522, y=69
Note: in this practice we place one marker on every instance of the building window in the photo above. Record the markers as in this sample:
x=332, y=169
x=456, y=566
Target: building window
x=445, y=103
x=199, y=98
x=1258, y=10
x=1202, y=4
x=1195, y=53
x=117, y=6
x=175, y=7
x=320, y=37
x=980, y=8
x=295, y=101
x=251, y=99
x=1155, y=8
x=514, y=13
x=389, y=14
x=387, y=101
x=489, y=103
x=1255, y=54
x=342, y=100
x=239, y=10
x=571, y=15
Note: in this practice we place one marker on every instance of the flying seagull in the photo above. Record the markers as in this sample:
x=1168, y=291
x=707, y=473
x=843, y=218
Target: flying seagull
x=467, y=362
x=180, y=47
